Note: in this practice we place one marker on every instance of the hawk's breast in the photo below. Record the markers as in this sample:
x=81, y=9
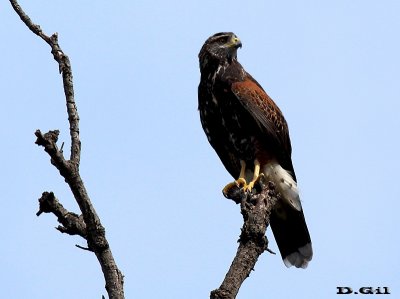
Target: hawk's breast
x=227, y=124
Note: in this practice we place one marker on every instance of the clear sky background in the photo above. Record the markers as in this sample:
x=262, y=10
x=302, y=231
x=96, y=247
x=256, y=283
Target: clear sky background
x=332, y=67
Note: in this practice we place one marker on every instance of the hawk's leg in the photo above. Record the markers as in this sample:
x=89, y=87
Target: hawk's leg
x=240, y=182
x=256, y=174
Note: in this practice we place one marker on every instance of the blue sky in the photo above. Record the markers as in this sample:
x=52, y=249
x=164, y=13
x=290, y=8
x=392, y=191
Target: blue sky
x=332, y=67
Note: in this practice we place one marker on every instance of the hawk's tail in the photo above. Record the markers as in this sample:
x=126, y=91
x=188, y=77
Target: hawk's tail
x=291, y=235
x=287, y=219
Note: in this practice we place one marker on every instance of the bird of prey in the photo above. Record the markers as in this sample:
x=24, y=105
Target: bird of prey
x=251, y=137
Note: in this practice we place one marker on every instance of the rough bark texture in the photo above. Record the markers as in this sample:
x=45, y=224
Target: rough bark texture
x=87, y=225
x=255, y=208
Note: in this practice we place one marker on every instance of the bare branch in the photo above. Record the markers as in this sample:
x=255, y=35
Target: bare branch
x=256, y=209
x=65, y=70
x=88, y=224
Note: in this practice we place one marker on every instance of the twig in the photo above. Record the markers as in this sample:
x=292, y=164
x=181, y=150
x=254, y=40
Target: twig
x=256, y=209
x=83, y=248
x=72, y=224
x=87, y=225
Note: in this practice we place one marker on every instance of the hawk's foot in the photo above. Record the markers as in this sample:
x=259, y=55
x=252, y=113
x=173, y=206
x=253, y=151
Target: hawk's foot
x=238, y=184
x=249, y=186
x=255, y=183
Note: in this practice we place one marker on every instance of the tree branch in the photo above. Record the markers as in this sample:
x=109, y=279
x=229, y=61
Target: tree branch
x=256, y=209
x=87, y=225
x=65, y=69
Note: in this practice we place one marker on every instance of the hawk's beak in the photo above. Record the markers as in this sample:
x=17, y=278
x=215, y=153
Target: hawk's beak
x=232, y=45
x=235, y=42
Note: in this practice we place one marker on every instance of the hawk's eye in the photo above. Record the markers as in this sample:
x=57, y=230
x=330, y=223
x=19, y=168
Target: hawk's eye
x=223, y=39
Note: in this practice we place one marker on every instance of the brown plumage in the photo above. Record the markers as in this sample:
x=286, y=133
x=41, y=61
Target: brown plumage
x=250, y=135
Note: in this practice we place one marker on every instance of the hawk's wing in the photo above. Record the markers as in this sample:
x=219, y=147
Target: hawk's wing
x=267, y=115
x=287, y=223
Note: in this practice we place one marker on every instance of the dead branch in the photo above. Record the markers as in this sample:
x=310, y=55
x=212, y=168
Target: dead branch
x=87, y=225
x=256, y=209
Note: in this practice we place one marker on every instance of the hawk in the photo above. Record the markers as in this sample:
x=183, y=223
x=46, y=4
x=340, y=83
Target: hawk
x=251, y=137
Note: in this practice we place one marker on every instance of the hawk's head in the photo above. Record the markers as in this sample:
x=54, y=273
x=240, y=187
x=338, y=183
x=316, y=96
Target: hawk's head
x=219, y=48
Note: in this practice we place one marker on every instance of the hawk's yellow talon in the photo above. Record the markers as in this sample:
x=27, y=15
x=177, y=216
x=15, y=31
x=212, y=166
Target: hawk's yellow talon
x=249, y=186
x=239, y=183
